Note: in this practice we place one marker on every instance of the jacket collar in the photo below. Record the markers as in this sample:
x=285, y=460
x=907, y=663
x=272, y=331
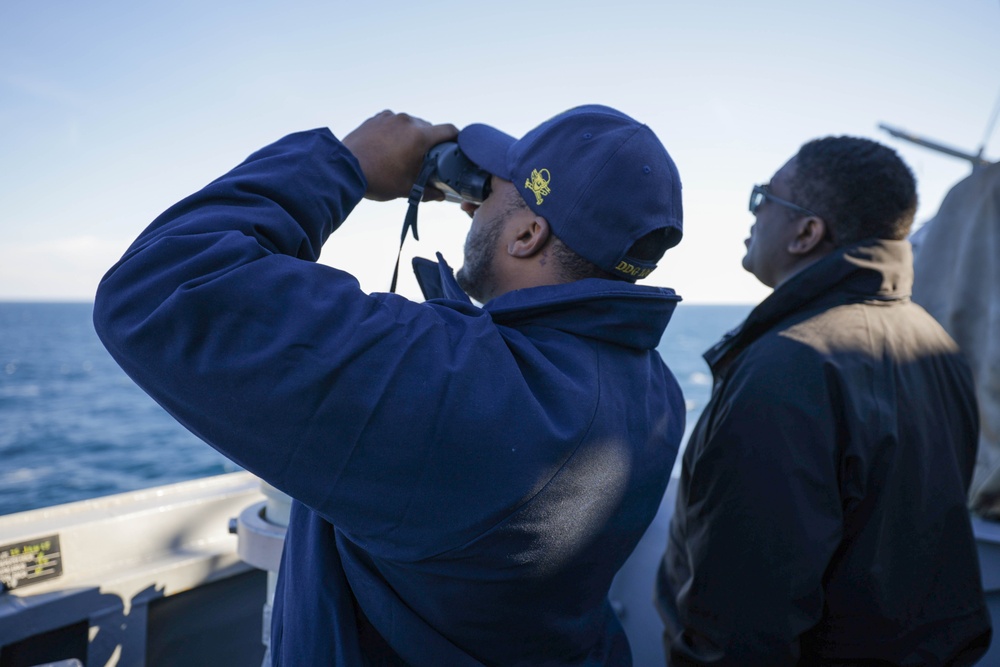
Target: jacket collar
x=610, y=310
x=871, y=270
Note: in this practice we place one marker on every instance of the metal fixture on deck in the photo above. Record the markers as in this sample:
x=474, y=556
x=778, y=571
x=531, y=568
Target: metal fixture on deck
x=260, y=531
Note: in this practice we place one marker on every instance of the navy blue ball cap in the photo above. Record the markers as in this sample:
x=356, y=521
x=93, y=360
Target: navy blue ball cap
x=602, y=180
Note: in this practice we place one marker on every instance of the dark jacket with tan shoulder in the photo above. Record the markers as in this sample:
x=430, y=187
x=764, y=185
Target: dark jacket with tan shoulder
x=821, y=515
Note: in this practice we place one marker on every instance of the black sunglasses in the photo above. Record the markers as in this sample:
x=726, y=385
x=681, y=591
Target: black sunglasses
x=760, y=193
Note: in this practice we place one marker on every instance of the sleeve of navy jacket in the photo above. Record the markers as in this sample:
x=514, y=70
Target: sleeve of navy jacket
x=468, y=480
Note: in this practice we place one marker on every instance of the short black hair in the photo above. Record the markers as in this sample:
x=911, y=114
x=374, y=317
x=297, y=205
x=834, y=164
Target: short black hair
x=572, y=266
x=861, y=188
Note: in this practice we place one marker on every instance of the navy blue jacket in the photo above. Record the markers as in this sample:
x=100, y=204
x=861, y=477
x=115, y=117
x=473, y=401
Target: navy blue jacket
x=821, y=512
x=467, y=480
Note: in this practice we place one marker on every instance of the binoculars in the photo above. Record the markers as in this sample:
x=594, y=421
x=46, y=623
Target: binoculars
x=456, y=175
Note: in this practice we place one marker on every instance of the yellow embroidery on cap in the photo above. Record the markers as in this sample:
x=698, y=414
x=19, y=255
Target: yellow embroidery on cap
x=539, y=184
x=633, y=270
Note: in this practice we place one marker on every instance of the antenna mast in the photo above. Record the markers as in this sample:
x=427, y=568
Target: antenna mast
x=977, y=159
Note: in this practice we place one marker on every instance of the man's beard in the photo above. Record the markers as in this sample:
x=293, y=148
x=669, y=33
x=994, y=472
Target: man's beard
x=477, y=276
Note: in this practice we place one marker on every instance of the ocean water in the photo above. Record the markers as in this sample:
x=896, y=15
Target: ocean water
x=73, y=426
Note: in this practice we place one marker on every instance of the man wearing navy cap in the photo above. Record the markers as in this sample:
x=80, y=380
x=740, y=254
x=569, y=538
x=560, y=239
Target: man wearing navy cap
x=467, y=480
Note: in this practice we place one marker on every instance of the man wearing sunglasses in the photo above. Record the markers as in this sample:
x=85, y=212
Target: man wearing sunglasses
x=821, y=512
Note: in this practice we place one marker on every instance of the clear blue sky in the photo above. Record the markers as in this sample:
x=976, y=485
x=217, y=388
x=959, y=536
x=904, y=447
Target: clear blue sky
x=111, y=111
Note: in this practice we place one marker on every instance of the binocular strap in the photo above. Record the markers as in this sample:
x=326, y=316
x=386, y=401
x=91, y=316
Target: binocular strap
x=410, y=222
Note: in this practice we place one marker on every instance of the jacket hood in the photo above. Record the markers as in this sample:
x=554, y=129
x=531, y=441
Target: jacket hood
x=871, y=270
x=609, y=310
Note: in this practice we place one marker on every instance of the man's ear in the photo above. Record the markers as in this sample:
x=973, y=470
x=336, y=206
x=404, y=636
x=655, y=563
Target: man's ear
x=810, y=233
x=530, y=236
